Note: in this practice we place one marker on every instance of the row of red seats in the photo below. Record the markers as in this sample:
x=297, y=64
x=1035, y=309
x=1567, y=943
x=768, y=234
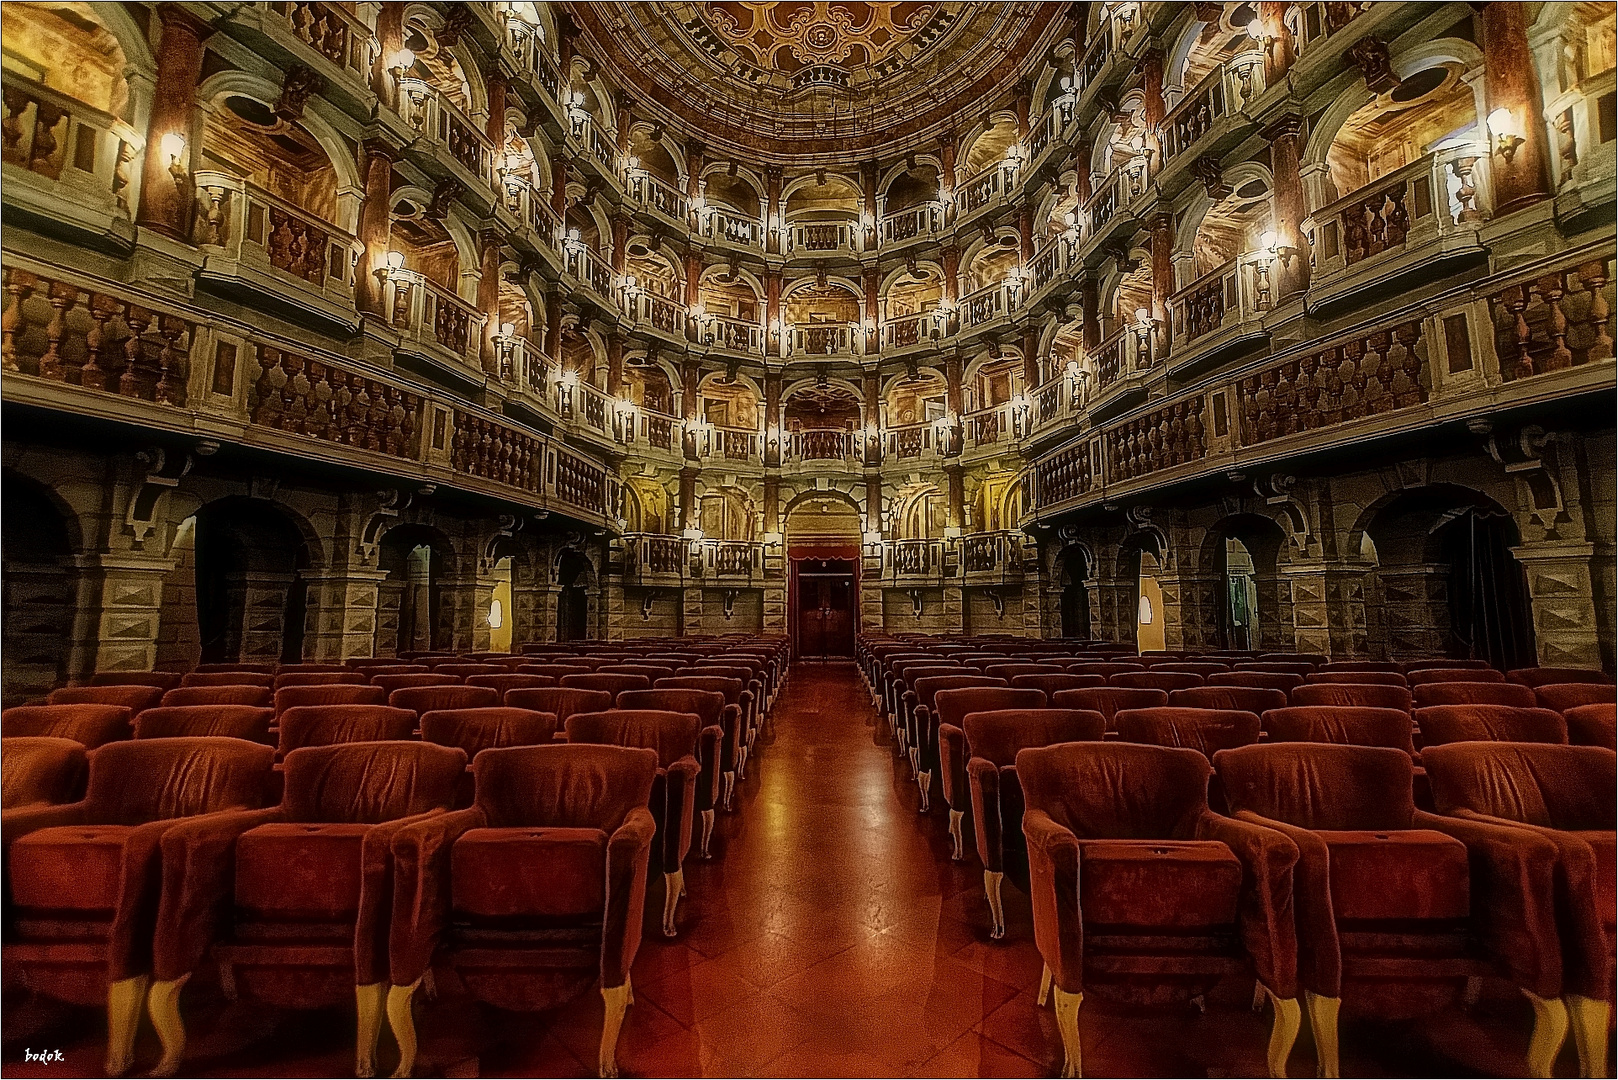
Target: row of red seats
x=525, y=872
x=1134, y=768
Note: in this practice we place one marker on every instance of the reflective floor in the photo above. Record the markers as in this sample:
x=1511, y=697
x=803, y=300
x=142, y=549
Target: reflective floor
x=830, y=936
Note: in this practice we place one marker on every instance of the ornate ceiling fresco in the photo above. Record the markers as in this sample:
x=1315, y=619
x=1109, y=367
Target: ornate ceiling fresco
x=816, y=78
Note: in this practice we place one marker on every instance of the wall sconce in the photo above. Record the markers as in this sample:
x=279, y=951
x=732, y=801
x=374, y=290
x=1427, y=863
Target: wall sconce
x=772, y=539
x=568, y=383
x=403, y=61
x=505, y=343
x=1067, y=101
x=395, y=263
x=1144, y=325
x=1245, y=66
x=1259, y=32
x=1508, y=134
x=1272, y=247
x=173, y=147
x=646, y=605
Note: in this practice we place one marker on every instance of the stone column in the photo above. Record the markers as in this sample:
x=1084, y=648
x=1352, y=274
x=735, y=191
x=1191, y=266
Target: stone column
x=463, y=611
x=559, y=190
x=1030, y=359
x=1511, y=82
x=1090, y=313
x=688, y=497
x=1328, y=608
x=772, y=418
x=615, y=364
x=950, y=258
x=772, y=313
x=693, y=179
x=342, y=613
x=375, y=229
x=1279, y=50
x=772, y=503
x=1288, y=208
x=873, y=500
x=166, y=203
x=772, y=222
x=1561, y=588
x=1084, y=183
x=873, y=282
x=116, y=618
x=868, y=179
x=553, y=326
x=1162, y=226
x=620, y=244
x=946, y=158
x=1415, y=609
x=626, y=120
x=872, y=444
x=1153, y=108
x=955, y=507
x=693, y=291
x=263, y=604
x=390, y=39
x=953, y=406
x=1025, y=235
x=489, y=297
x=496, y=126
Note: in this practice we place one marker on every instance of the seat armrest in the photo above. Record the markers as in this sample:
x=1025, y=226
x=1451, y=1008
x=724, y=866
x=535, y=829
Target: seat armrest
x=376, y=896
x=952, y=758
x=1053, y=884
x=421, y=890
x=628, y=852
x=983, y=788
x=1320, y=954
x=28, y=819
x=199, y=873
x=710, y=742
x=1265, y=914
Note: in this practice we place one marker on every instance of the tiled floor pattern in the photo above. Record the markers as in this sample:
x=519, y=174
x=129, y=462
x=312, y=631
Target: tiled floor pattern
x=830, y=936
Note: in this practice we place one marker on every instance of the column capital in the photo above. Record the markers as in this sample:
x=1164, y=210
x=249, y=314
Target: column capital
x=1287, y=126
x=177, y=17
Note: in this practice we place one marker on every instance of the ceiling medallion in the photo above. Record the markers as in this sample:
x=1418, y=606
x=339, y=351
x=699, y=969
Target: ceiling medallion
x=787, y=36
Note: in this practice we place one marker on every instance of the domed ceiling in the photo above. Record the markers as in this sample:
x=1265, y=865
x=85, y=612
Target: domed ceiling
x=822, y=79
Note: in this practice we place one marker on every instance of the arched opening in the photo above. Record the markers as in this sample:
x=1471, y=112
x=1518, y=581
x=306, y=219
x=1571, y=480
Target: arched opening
x=1073, y=575
x=820, y=422
x=408, y=599
x=1446, y=583
x=819, y=215
x=499, y=615
x=1241, y=553
x=38, y=585
x=821, y=319
x=726, y=513
x=251, y=604
x=66, y=48
x=653, y=157
x=577, y=579
x=823, y=545
x=727, y=312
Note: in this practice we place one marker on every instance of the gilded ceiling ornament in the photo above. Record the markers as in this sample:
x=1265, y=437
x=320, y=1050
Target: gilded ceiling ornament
x=787, y=36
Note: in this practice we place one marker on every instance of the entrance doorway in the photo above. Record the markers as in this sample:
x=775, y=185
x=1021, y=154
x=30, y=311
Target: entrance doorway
x=825, y=600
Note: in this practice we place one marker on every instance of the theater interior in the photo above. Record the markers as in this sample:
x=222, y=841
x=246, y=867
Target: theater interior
x=808, y=539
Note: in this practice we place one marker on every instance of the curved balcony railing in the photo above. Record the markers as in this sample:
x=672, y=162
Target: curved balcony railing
x=827, y=339
x=524, y=365
x=253, y=228
x=531, y=206
x=987, y=187
x=729, y=332
x=822, y=237
x=913, y=558
x=332, y=31
x=426, y=313
x=1219, y=299
x=823, y=444
x=658, y=312
x=913, y=222
x=589, y=268
x=1226, y=89
x=534, y=56
x=991, y=302
x=733, y=226
x=907, y=331
x=991, y=553
x=657, y=194
x=907, y=441
x=656, y=555
x=54, y=139
x=426, y=109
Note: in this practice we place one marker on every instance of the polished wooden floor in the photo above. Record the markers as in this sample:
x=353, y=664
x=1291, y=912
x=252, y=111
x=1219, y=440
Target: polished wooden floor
x=831, y=936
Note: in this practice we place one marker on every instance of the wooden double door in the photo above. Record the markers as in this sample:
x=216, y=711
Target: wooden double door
x=826, y=607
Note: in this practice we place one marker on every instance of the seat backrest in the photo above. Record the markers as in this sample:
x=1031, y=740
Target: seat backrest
x=40, y=770
x=229, y=678
x=1205, y=730
x=257, y=696
x=952, y=706
x=1379, y=678
x=423, y=699
x=1280, y=667
x=1254, y=699
x=709, y=705
x=1312, y=659
x=479, y=729
x=1112, y=790
x=571, y=785
x=612, y=684
x=915, y=670
x=145, y=780
x=1557, y=787
x=311, y=666
x=998, y=734
x=1441, y=724
x=380, y=665
x=90, y=725
x=1155, y=680
x=262, y=667
x=1010, y=670
x=234, y=721
x=1195, y=667
x=1435, y=663
x=290, y=697
x=1453, y=674
x=1593, y=725
x=672, y=734
x=1383, y=666
x=653, y=672
x=1050, y=684
x=464, y=671
x=370, y=782
x=730, y=688
x=560, y=701
x=1539, y=676
x=1345, y=724
x=1320, y=785
x=1364, y=695
x=1103, y=667
x=390, y=683
x=319, y=678
x=1565, y=696
x=1472, y=693
x=1269, y=680
x=932, y=684
x=325, y=725
x=1108, y=700
x=134, y=698
x=511, y=681
x=168, y=680
x=554, y=671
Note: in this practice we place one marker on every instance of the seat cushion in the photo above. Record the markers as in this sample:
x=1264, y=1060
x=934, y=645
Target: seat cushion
x=1179, y=884
x=1403, y=874
x=72, y=868
x=301, y=872
x=545, y=872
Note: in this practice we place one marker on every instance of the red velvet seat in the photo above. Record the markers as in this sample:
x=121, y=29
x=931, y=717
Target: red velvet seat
x=685, y=754
x=561, y=701
x=1009, y=670
x=464, y=671
x=612, y=684
x=229, y=678
x=1362, y=665
x=1343, y=724
x=390, y=683
x=1565, y=696
x=231, y=721
x=1592, y=725
x=1362, y=695
x=901, y=697
x=311, y=667
x=1140, y=893
x=922, y=730
x=715, y=786
x=1253, y=699
x=1155, y=680
x=1439, y=663
x=475, y=730
x=1312, y=659
x=731, y=719
x=379, y=665
x=554, y=671
x=1050, y=684
x=978, y=756
x=1194, y=667
x=90, y=725
x=258, y=666
x=84, y=877
x=319, y=678
x=292, y=697
x=1472, y=693
x=651, y=671
x=950, y=708
x=425, y=699
x=511, y=681
x=1109, y=700
x=1368, y=678
x=1540, y=676
x=1418, y=676
x=304, y=887
x=757, y=701
x=1206, y=731
x=325, y=725
x=1104, y=667
x=38, y=770
x=1565, y=795
x=258, y=697
x=168, y=680
x=533, y=893
x=134, y=698
x=1396, y=908
x=1276, y=667
x=1269, y=680
x=1441, y=724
